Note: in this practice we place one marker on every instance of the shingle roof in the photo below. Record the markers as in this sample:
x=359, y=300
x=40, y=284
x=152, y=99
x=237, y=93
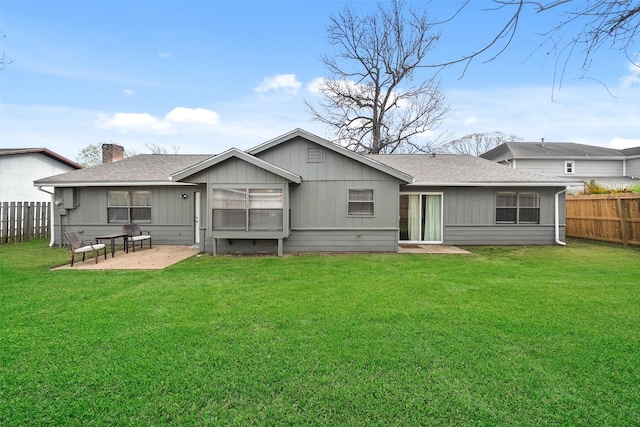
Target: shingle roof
x=45, y=151
x=141, y=169
x=461, y=170
x=634, y=151
x=565, y=150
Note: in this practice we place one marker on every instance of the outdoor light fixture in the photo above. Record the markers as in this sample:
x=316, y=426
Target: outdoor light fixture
x=184, y=195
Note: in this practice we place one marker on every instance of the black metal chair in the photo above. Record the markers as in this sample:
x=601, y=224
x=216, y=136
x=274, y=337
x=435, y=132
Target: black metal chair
x=80, y=247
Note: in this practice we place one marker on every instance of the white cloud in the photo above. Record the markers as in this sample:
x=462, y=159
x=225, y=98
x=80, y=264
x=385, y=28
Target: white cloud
x=177, y=120
x=620, y=143
x=134, y=122
x=315, y=85
x=282, y=83
x=128, y=92
x=633, y=76
x=471, y=120
x=197, y=116
x=164, y=55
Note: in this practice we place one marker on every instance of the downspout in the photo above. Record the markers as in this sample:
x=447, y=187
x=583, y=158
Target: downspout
x=52, y=241
x=557, y=217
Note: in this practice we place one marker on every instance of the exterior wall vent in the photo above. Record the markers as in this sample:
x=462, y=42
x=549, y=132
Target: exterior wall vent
x=314, y=155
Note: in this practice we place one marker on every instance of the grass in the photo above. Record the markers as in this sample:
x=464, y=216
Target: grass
x=504, y=336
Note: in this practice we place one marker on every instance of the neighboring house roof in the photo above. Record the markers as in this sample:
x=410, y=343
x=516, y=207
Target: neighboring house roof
x=463, y=170
x=235, y=153
x=334, y=147
x=550, y=150
x=143, y=169
x=632, y=152
x=45, y=151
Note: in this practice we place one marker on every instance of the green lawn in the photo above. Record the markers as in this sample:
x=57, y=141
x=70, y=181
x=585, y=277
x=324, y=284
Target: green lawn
x=504, y=336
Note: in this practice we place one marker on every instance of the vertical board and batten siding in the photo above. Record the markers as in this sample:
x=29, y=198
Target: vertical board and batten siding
x=583, y=167
x=320, y=201
x=318, y=205
x=171, y=215
x=469, y=216
x=319, y=208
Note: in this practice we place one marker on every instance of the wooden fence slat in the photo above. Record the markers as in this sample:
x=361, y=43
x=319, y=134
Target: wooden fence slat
x=610, y=217
x=24, y=221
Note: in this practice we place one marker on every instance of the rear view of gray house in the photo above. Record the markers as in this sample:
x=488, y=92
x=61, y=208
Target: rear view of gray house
x=302, y=193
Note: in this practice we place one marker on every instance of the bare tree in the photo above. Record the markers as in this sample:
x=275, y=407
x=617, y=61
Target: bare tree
x=156, y=149
x=478, y=143
x=613, y=24
x=369, y=102
x=4, y=61
x=90, y=155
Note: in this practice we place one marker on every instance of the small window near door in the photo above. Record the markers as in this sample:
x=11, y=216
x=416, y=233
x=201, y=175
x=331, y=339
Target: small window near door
x=360, y=202
x=569, y=167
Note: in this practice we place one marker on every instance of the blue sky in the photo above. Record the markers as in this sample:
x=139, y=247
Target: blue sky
x=205, y=76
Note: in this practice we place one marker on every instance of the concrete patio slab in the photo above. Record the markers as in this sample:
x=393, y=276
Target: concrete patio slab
x=156, y=258
x=430, y=249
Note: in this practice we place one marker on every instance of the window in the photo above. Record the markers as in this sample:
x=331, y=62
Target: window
x=360, y=202
x=129, y=206
x=247, y=209
x=569, y=167
x=518, y=208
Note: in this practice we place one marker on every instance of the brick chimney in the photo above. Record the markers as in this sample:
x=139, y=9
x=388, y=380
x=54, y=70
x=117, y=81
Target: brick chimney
x=112, y=153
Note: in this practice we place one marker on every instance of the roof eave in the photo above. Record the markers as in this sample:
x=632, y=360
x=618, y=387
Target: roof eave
x=334, y=147
x=110, y=184
x=494, y=184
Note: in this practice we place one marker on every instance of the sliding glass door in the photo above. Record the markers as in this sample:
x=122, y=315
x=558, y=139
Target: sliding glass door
x=421, y=218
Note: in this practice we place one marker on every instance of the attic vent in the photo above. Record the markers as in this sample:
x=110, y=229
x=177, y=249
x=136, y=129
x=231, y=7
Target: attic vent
x=314, y=155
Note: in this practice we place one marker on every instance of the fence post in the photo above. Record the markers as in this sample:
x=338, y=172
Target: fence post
x=623, y=221
x=4, y=226
x=12, y=222
x=28, y=221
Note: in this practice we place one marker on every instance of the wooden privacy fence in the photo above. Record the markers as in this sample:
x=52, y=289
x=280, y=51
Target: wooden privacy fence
x=607, y=217
x=24, y=221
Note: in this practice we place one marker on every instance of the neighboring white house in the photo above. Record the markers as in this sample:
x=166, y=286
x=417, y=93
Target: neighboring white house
x=569, y=160
x=19, y=167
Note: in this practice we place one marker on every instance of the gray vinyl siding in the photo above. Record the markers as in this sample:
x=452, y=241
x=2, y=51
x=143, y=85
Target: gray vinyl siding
x=320, y=201
x=633, y=168
x=583, y=167
x=172, y=216
x=318, y=206
x=469, y=216
x=329, y=240
x=236, y=171
x=501, y=235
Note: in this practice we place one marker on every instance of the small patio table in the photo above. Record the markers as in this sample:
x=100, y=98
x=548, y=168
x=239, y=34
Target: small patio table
x=112, y=238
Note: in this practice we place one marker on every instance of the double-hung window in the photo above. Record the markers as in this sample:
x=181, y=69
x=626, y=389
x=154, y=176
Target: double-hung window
x=518, y=208
x=360, y=202
x=569, y=167
x=248, y=209
x=129, y=207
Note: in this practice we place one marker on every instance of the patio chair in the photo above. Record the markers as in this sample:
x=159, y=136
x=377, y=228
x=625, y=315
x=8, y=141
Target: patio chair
x=80, y=247
x=136, y=235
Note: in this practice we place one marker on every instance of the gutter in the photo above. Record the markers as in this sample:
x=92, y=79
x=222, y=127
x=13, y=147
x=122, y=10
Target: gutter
x=556, y=219
x=52, y=241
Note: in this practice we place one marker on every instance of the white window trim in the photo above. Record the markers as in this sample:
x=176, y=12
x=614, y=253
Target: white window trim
x=373, y=202
x=420, y=194
x=571, y=163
